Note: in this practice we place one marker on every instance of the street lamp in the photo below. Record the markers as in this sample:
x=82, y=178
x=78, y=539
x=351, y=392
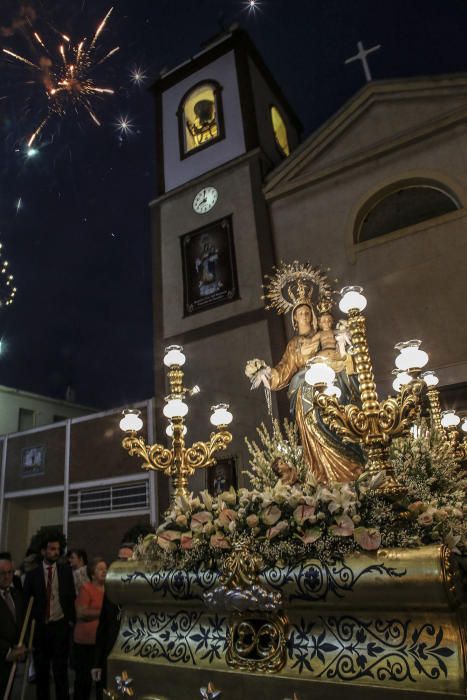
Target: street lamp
x=178, y=462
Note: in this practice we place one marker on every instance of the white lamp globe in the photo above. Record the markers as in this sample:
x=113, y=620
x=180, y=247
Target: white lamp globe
x=410, y=356
x=402, y=379
x=175, y=408
x=131, y=421
x=319, y=373
x=174, y=356
x=352, y=299
x=464, y=425
x=221, y=415
x=170, y=430
x=333, y=390
x=430, y=378
x=449, y=419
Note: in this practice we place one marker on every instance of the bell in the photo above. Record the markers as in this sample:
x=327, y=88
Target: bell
x=204, y=110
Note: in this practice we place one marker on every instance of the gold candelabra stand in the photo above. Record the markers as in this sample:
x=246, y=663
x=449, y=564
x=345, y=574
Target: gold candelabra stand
x=445, y=422
x=450, y=422
x=373, y=423
x=178, y=462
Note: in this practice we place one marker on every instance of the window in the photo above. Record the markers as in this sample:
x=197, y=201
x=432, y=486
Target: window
x=109, y=499
x=200, y=117
x=406, y=205
x=280, y=132
x=58, y=419
x=26, y=419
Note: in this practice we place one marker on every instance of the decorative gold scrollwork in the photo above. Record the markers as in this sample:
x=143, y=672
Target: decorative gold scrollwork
x=241, y=567
x=257, y=643
x=451, y=577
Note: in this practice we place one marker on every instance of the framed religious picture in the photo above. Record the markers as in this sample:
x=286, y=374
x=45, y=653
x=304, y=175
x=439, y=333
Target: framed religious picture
x=33, y=461
x=209, y=268
x=222, y=476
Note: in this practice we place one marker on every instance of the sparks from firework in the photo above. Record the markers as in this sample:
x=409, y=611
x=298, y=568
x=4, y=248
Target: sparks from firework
x=137, y=76
x=124, y=126
x=68, y=80
x=252, y=6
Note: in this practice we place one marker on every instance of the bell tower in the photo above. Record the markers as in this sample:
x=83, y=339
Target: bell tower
x=222, y=124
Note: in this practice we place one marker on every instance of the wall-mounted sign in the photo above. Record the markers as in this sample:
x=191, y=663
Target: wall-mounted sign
x=209, y=269
x=33, y=461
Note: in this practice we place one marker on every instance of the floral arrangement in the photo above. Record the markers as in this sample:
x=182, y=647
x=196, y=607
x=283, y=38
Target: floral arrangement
x=285, y=523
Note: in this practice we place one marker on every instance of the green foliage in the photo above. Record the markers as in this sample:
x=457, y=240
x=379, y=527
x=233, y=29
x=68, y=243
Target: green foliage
x=280, y=443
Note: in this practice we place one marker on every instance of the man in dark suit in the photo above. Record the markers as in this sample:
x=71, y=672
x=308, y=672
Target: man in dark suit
x=11, y=617
x=53, y=589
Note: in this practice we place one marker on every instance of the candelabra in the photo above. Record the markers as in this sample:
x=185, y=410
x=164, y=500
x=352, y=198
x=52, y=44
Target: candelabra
x=450, y=422
x=178, y=462
x=432, y=381
x=373, y=423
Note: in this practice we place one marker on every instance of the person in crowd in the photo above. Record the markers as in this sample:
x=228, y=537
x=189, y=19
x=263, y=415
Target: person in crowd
x=78, y=560
x=109, y=624
x=51, y=584
x=11, y=617
x=17, y=583
x=88, y=607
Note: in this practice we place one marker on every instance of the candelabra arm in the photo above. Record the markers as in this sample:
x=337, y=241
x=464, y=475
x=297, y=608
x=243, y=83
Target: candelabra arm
x=155, y=457
x=201, y=454
x=349, y=422
x=396, y=415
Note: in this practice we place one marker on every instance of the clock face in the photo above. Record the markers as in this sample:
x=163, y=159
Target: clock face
x=205, y=200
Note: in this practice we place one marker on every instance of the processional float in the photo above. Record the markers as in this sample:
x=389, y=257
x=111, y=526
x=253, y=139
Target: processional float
x=336, y=571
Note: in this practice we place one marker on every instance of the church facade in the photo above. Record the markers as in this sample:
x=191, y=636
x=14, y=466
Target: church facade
x=377, y=194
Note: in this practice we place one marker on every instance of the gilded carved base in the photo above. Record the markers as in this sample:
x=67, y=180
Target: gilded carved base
x=390, y=621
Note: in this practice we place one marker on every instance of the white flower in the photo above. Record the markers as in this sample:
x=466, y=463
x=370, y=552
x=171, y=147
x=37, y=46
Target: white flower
x=452, y=540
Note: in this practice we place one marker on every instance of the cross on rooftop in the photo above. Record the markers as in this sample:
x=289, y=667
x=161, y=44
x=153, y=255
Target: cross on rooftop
x=361, y=56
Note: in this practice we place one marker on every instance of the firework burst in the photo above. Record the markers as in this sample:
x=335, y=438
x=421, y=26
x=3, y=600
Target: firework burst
x=67, y=75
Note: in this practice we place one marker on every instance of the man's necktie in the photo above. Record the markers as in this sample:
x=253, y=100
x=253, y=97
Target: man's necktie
x=8, y=598
x=49, y=592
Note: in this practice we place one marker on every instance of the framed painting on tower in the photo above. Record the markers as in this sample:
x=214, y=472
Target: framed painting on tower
x=209, y=267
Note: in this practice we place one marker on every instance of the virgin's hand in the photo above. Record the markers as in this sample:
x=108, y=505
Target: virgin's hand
x=262, y=377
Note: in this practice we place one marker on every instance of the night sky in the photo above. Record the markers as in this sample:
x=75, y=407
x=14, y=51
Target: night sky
x=79, y=244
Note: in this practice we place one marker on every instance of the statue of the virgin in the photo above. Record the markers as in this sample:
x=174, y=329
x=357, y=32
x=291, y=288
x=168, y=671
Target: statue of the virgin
x=291, y=290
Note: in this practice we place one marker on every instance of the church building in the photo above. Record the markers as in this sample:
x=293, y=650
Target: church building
x=377, y=195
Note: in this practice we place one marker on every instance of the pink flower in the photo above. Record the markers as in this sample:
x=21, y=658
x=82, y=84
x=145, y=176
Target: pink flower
x=198, y=520
x=271, y=514
x=344, y=527
x=227, y=516
x=311, y=535
x=416, y=507
x=186, y=540
x=367, y=538
x=303, y=513
x=167, y=539
x=220, y=541
x=252, y=520
x=426, y=518
x=277, y=529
